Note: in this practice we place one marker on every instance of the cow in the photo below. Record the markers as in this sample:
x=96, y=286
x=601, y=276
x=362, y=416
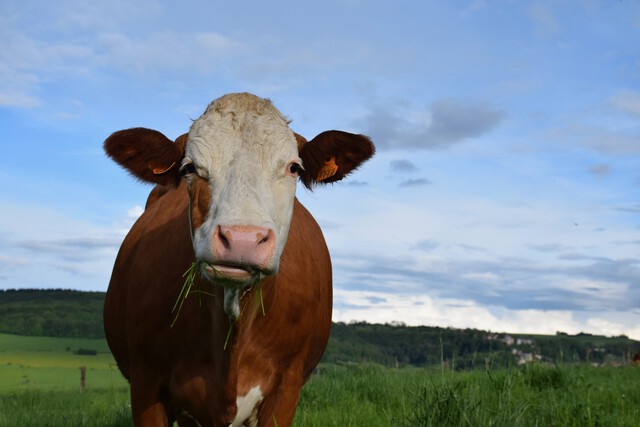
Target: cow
x=219, y=305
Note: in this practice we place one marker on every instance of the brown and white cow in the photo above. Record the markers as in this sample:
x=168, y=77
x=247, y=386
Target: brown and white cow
x=258, y=317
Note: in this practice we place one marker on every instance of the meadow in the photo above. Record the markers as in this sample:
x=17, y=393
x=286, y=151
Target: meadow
x=40, y=378
x=44, y=363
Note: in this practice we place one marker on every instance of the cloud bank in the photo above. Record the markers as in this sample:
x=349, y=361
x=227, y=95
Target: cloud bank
x=443, y=123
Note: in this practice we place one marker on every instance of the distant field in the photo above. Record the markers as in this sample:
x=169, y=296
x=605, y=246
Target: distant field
x=44, y=363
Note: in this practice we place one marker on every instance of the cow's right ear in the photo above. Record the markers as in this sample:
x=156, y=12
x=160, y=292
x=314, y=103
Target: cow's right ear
x=147, y=154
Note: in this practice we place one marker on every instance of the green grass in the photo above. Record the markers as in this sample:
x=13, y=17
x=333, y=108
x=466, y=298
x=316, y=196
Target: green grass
x=535, y=395
x=61, y=407
x=39, y=380
x=43, y=363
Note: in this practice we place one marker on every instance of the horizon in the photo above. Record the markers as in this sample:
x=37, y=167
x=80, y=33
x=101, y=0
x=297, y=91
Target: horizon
x=503, y=193
x=394, y=323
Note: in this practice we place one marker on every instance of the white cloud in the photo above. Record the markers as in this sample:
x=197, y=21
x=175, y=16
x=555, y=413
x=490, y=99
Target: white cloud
x=26, y=64
x=167, y=51
x=398, y=125
x=21, y=94
x=612, y=328
x=541, y=322
x=51, y=249
x=18, y=87
x=97, y=16
x=135, y=212
x=79, y=42
x=415, y=182
x=381, y=307
x=461, y=246
x=627, y=101
x=600, y=169
x=544, y=20
x=476, y=6
x=414, y=310
x=403, y=166
x=600, y=138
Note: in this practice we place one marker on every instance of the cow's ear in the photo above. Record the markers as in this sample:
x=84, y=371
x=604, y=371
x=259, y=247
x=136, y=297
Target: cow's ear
x=332, y=155
x=147, y=154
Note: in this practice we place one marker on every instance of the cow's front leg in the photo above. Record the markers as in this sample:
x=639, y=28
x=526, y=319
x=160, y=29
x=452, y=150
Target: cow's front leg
x=279, y=408
x=147, y=407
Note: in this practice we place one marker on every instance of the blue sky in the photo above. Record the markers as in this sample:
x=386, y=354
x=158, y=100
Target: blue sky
x=504, y=194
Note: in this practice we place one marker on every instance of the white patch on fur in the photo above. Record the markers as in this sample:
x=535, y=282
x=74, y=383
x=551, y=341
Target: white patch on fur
x=232, y=302
x=247, y=408
x=242, y=145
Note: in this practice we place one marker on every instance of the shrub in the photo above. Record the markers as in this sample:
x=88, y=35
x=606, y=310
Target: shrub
x=86, y=352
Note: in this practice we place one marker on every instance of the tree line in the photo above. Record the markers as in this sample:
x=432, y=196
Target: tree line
x=399, y=345
x=51, y=313
x=77, y=314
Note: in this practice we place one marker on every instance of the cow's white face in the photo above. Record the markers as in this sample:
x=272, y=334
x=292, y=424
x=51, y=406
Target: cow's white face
x=241, y=163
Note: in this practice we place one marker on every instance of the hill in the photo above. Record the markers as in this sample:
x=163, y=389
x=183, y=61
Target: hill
x=75, y=314
x=399, y=345
x=52, y=313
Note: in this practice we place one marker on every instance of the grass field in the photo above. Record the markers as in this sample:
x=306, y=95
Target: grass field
x=44, y=363
x=534, y=395
x=44, y=392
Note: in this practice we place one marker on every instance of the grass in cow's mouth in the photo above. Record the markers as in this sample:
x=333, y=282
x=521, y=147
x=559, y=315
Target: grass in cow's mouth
x=259, y=301
x=190, y=277
x=259, y=296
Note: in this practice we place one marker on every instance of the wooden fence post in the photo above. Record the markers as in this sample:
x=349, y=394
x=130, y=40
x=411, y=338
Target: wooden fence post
x=83, y=378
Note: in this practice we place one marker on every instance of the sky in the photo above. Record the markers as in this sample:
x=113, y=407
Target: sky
x=504, y=194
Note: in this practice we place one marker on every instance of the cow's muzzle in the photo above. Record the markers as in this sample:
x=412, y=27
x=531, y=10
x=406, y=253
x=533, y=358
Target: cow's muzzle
x=241, y=253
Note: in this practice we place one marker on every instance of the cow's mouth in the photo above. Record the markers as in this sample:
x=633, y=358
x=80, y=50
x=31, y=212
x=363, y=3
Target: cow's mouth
x=234, y=277
x=231, y=271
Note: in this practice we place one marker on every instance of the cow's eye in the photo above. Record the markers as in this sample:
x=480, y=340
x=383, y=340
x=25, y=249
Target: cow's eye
x=187, y=168
x=294, y=168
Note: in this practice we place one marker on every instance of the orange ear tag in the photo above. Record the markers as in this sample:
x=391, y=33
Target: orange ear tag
x=328, y=170
x=160, y=170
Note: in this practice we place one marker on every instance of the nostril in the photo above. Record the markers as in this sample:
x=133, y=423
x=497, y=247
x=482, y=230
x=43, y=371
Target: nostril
x=263, y=237
x=225, y=237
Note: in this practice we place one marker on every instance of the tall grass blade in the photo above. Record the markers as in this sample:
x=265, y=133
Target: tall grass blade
x=190, y=277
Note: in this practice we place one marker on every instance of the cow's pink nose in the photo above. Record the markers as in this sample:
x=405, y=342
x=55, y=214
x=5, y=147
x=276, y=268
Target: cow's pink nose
x=246, y=245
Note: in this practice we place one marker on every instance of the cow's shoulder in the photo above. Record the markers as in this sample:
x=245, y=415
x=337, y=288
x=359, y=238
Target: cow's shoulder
x=156, y=193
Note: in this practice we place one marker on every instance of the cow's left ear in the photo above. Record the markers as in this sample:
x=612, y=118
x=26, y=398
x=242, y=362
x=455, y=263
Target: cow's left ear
x=332, y=155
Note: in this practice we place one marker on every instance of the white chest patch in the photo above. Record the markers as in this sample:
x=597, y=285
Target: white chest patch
x=247, y=414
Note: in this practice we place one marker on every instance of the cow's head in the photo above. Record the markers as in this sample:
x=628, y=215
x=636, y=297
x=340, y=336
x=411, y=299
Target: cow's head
x=241, y=162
